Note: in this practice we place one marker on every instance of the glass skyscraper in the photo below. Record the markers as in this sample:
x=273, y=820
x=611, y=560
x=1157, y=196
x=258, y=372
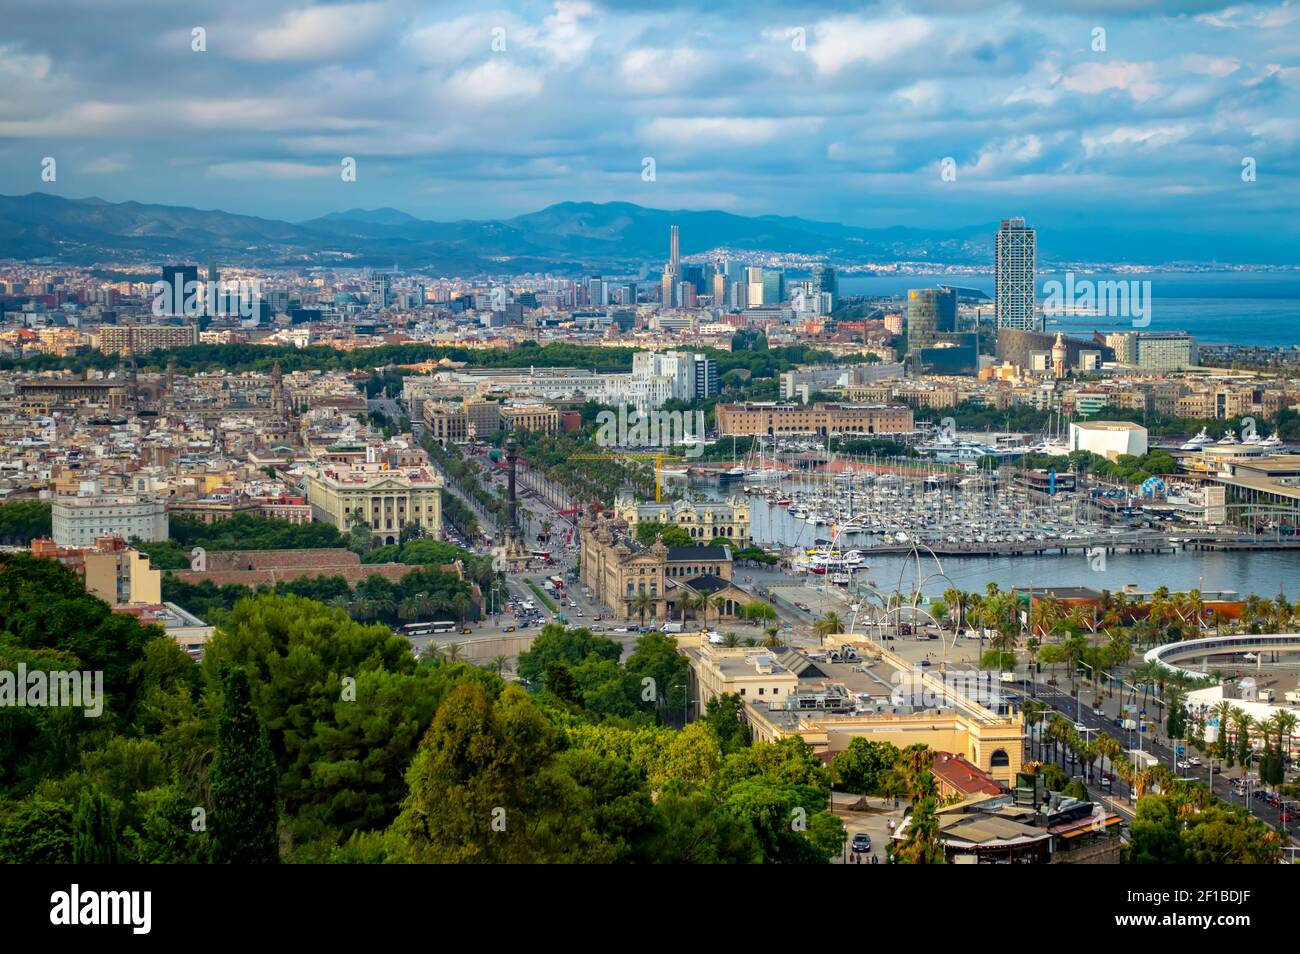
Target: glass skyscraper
x=931, y=312
x=1014, y=276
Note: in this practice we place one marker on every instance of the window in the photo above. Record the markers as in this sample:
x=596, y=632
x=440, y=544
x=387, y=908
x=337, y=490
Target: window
x=999, y=759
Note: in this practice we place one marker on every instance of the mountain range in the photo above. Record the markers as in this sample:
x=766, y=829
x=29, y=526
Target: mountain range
x=567, y=237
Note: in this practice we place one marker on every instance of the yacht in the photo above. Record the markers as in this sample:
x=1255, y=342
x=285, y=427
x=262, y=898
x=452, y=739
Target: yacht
x=1199, y=441
x=1228, y=437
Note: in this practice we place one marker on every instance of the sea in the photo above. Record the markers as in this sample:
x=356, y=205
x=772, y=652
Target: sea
x=1246, y=308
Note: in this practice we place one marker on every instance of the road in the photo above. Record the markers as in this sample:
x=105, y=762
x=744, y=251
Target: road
x=1065, y=704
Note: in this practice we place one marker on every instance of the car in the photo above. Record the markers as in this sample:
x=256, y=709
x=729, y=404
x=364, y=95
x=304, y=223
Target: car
x=510, y=629
x=466, y=631
x=861, y=842
x=1080, y=727
x=1184, y=764
x=1099, y=713
x=1106, y=781
x=1194, y=760
x=924, y=664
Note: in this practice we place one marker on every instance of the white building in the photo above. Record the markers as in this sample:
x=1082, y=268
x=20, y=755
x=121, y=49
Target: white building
x=79, y=520
x=1109, y=439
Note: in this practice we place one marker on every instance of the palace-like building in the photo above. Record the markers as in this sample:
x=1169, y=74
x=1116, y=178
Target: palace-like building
x=703, y=520
x=618, y=570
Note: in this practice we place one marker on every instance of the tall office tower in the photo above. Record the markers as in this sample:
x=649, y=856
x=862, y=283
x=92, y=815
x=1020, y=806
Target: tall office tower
x=670, y=279
x=754, y=286
x=930, y=312
x=773, y=287
x=379, y=289
x=213, y=275
x=719, y=289
x=824, y=279
x=627, y=294
x=1015, y=275
x=178, y=277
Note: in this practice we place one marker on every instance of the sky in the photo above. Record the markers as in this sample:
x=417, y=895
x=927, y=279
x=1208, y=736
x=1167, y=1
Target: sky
x=947, y=113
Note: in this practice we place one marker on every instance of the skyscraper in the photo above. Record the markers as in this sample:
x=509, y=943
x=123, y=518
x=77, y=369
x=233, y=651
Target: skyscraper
x=670, y=283
x=1015, y=275
x=773, y=287
x=380, y=289
x=824, y=279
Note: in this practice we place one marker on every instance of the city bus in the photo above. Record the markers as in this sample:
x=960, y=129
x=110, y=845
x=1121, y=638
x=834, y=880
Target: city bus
x=428, y=629
x=543, y=555
x=557, y=582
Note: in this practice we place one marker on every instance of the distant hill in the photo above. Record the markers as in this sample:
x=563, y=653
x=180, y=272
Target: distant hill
x=562, y=237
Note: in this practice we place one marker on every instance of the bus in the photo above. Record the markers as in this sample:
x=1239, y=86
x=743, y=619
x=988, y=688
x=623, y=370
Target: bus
x=557, y=582
x=428, y=629
x=543, y=555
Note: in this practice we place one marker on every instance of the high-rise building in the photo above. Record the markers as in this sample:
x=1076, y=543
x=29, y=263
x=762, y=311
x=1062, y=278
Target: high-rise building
x=754, y=286
x=180, y=279
x=773, y=287
x=1014, y=277
x=670, y=282
x=825, y=280
x=931, y=312
x=380, y=289
x=706, y=376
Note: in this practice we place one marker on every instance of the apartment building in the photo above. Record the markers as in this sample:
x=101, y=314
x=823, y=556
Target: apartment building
x=78, y=520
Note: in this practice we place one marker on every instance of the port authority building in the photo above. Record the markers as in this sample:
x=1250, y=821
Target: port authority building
x=618, y=570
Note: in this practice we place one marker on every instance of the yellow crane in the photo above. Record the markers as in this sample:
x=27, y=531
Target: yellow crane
x=657, y=456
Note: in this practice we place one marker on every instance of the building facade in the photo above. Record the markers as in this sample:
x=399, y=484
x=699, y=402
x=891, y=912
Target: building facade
x=81, y=519
x=384, y=499
x=771, y=419
x=1015, y=275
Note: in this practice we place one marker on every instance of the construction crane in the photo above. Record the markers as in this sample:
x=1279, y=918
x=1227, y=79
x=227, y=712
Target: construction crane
x=657, y=456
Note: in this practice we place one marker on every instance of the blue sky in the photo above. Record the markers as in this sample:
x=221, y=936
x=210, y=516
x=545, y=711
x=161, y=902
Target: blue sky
x=849, y=120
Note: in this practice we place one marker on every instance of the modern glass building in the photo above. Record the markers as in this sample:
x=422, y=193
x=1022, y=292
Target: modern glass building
x=1014, y=292
x=931, y=312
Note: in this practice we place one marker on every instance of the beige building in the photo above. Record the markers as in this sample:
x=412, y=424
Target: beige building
x=946, y=716
x=530, y=417
x=767, y=419
x=703, y=520
x=618, y=570
x=386, y=499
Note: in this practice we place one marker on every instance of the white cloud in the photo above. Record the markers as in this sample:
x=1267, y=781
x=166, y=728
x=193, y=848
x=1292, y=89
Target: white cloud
x=494, y=80
x=310, y=33
x=733, y=130
x=657, y=71
x=844, y=41
x=1136, y=79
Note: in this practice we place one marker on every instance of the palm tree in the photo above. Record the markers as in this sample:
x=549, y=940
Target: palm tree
x=451, y=652
x=772, y=640
x=719, y=604
x=828, y=624
x=498, y=664
x=1032, y=710
x=1244, y=724
x=731, y=640
x=641, y=605
x=693, y=601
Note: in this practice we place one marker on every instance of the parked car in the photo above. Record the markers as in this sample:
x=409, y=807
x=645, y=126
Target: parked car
x=861, y=842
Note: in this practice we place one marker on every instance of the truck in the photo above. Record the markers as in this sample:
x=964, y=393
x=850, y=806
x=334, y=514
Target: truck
x=671, y=627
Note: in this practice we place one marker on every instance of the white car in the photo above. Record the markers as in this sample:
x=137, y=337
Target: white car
x=1080, y=727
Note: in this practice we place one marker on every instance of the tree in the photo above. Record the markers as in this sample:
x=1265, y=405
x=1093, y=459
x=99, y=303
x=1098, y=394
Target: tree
x=864, y=766
x=724, y=715
x=828, y=624
x=94, y=840
x=244, y=780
